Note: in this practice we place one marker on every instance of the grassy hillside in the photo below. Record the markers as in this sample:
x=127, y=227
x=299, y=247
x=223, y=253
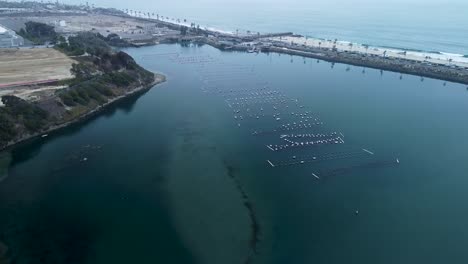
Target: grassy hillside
x=101, y=75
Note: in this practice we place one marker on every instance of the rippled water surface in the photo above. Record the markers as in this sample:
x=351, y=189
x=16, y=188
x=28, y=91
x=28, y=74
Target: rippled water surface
x=170, y=176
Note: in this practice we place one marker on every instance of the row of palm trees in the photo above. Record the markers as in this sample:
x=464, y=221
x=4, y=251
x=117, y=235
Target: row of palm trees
x=160, y=17
x=153, y=15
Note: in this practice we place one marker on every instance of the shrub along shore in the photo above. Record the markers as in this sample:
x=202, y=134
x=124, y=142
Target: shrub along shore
x=102, y=77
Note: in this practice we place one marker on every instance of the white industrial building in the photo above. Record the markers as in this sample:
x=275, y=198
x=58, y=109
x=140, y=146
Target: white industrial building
x=9, y=39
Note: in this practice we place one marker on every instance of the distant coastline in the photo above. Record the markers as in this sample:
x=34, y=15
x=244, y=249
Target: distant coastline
x=431, y=64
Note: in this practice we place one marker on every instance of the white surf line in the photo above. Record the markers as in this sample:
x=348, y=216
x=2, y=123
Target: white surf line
x=315, y=175
x=270, y=148
x=370, y=152
x=272, y=165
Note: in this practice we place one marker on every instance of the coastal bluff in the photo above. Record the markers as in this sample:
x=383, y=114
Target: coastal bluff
x=102, y=76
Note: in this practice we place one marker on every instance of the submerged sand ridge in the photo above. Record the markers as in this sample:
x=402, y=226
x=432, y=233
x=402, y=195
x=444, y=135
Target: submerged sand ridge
x=208, y=208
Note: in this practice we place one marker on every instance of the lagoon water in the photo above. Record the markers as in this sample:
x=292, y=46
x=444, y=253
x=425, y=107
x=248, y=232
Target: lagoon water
x=155, y=179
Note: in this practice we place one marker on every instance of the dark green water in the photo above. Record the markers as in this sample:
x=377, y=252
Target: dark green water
x=160, y=183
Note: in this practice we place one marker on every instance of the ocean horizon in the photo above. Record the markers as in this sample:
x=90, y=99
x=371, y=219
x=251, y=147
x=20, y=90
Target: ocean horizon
x=426, y=26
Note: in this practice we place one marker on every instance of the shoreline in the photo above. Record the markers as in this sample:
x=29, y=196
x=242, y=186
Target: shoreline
x=431, y=64
x=422, y=52
x=159, y=78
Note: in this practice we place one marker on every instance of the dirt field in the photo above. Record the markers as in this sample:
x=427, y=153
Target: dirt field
x=127, y=28
x=31, y=65
x=23, y=65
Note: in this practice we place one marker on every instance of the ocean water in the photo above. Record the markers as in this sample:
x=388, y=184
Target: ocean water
x=433, y=25
x=170, y=177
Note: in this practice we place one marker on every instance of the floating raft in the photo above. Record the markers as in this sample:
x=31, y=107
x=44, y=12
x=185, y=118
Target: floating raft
x=369, y=165
x=314, y=143
x=316, y=158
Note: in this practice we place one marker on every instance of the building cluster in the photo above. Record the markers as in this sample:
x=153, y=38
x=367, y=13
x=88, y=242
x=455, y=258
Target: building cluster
x=9, y=39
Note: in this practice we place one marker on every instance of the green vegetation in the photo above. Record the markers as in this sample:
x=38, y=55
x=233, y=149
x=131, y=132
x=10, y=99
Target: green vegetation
x=101, y=74
x=82, y=43
x=183, y=30
x=90, y=43
x=38, y=33
x=19, y=117
x=98, y=89
x=115, y=41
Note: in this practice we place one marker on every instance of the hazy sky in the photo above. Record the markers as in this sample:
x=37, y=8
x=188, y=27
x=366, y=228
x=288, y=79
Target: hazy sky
x=415, y=22
x=181, y=3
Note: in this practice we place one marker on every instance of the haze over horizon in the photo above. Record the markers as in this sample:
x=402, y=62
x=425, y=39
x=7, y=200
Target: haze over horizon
x=432, y=25
x=142, y=132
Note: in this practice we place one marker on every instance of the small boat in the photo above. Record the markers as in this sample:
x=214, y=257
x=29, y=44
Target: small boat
x=45, y=135
x=398, y=161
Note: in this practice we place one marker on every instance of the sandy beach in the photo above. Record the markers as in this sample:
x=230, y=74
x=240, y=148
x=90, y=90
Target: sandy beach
x=344, y=46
